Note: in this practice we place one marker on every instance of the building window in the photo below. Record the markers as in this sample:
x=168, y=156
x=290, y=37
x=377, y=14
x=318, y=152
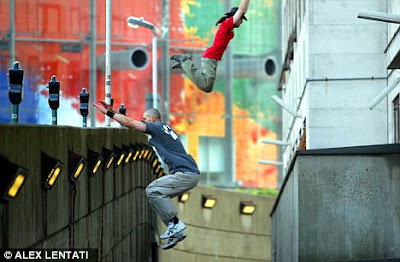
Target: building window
x=396, y=110
x=211, y=160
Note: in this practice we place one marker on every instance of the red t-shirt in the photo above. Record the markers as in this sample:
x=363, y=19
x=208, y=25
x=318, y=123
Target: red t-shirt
x=221, y=40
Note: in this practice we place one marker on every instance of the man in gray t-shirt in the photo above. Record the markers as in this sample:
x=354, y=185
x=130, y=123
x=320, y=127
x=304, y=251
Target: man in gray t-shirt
x=183, y=171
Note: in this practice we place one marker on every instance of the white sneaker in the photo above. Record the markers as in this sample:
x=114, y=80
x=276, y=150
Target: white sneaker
x=173, y=229
x=172, y=241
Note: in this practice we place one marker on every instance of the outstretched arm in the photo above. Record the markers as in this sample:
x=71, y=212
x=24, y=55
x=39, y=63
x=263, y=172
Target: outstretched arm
x=244, y=5
x=123, y=120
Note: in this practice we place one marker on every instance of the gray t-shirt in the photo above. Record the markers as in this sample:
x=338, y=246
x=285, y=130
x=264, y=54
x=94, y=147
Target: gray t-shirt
x=170, y=148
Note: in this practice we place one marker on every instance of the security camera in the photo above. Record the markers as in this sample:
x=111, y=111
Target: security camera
x=379, y=16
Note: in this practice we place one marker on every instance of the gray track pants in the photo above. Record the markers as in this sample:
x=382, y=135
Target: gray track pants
x=204, y=78
x=161, y=190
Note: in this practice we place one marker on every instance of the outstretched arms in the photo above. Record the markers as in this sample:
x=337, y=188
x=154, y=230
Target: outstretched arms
x=244, y=5
x=123, y=120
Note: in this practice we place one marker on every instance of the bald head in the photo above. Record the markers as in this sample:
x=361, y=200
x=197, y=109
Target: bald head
x=152, y=114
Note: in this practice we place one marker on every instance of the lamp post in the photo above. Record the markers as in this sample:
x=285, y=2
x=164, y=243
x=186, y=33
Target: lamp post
x=135, y=22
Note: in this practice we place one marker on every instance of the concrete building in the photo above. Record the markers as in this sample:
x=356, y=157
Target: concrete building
x=334, y=66
x=339, y=197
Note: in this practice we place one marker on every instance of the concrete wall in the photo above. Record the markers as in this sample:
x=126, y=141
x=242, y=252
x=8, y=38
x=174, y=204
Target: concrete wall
x=332, y=43
x=222, y=233
x=392, y=54
x=108, y=212
x=343, y=46
x=341, y=204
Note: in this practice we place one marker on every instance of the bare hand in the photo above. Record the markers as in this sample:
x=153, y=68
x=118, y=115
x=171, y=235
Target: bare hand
x=106, y=106
x=100, y=108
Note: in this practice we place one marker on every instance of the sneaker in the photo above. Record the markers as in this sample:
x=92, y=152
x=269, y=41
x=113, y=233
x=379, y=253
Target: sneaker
x=180, y=58
x=172, y=241
x=173, y=229
x=177, y=65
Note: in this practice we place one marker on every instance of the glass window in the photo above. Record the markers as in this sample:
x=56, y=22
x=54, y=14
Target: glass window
x=211, y=160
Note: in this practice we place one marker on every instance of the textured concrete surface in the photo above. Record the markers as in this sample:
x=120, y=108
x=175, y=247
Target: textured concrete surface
x=339, y=207
x=108, y=212
x=222, y=233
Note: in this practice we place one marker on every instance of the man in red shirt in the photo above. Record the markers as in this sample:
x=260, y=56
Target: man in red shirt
x=204, y=78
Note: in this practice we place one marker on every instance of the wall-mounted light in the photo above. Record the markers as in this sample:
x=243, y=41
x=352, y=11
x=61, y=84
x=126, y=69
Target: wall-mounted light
x=247, y=208
x=150, y=155
x=383, y=94
x=129, y=153
x=146, y=153
x=51, y=170
x=208, y=201
x=184, y=197
x=76, y=163
x=270, y=162
x=286, y=107
x=94, y=162
x=12, y=179
x=120, y=155
x=160, y=173
x=154, y=163
x=136, y=152
x=109, y=157
x=379, y=16
x=143, y=151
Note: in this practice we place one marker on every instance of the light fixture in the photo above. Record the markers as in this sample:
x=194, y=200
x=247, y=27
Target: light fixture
x=270, y=162
x=208, y=201
x=146, y=153
x=275, y=142
x=160, y=172
x=51, y=170
x=120, y=155
x=129, y=153
x=284, y=106
x=154, y=163
x=247, y=208
x=109, y=157
x=184, y=197
x=76, y=163
x=143, y=151
x=94, y=162
x=136, y=152
x=157, y=168
x=12, y=179
x=150, y=154
x=379, y=16
x=135, y=22
x=383, y=93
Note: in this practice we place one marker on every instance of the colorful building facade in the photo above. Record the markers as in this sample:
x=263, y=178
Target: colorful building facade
x=53, y=38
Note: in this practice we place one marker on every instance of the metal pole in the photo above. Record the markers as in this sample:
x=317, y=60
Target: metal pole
x=229, y=142
x=92, y=55
x=12, y=32
x=154, y=47
x=15, y=113
x=54, y=117
x=108, y=57
x=167, y=69
x=84, y=121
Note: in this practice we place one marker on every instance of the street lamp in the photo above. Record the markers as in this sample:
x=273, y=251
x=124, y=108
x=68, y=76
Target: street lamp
x=136, y=22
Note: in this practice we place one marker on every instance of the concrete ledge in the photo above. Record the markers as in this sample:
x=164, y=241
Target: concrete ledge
x=355, y=150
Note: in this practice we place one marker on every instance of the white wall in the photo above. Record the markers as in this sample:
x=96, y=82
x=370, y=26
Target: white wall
x=333, y=43
x=392, y=49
